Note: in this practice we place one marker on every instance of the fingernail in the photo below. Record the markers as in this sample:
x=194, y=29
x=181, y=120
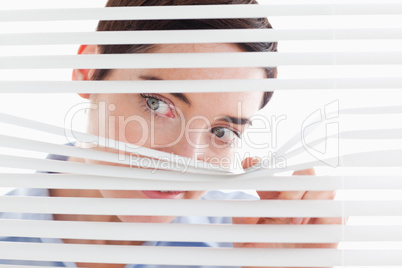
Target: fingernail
x=297, y=220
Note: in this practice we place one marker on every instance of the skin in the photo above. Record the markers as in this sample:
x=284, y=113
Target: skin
x=201, y=144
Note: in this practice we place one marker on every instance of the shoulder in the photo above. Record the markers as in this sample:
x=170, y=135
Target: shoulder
x=24, y=216
x=19, y=192
x=59, y=157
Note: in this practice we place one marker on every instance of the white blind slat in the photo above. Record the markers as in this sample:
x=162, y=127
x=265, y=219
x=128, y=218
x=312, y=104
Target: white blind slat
x=192, y=207
x=199, y=60
x=176, y=86
x=267, y=183
x=348, y=111
x=29, y=266
x=385, y=158
x=97, y=169
x=236, y=233
x=373, y=134
x=372, y=110
x=195, y=36
x=199, y=12
x=198, y=256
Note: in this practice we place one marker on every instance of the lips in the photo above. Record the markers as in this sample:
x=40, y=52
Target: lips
x=163, y=194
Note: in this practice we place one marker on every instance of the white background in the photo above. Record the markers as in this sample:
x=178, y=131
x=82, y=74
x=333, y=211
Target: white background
x=296, y=105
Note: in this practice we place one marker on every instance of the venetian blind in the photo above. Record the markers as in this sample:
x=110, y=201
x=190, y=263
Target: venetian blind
x=361, y=160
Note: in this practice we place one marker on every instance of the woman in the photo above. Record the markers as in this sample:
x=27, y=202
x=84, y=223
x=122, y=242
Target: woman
x=212, y=122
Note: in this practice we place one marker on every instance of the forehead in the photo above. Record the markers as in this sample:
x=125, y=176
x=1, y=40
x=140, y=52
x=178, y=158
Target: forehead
x=192, y=73
x=203, y=73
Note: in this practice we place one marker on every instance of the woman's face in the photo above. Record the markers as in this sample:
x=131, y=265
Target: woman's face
x=205, y=126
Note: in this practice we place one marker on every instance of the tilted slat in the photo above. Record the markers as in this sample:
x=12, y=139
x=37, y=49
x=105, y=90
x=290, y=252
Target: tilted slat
x=101, y=142
x=189, y=207
x=51, y=165
x=265, y=183
x=115, y=158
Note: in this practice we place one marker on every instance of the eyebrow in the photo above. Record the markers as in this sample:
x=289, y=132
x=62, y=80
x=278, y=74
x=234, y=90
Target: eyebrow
x=236, y=120
x=179, y=96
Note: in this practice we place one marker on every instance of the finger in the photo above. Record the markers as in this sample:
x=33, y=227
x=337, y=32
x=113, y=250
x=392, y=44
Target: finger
x=325, y=221
x=343, y=220
x=321, y=195
x=249, y=220
x=250, y=161
x=309, y=171
x=288, y=195
x=294, y=195
x=297, y=195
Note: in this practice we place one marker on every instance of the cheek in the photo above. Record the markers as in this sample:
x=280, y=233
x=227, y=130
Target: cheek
x=132, y=129
x=143, y=131
x=165, y=132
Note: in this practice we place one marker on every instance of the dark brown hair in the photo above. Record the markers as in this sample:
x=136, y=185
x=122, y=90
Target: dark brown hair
x=196, y=24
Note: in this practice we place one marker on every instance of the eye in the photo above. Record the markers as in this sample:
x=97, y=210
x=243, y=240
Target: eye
x=153, y=103
x=158, y=106
x=225, y=134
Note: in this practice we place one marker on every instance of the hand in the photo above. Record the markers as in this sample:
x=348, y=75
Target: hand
x=289, y=195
